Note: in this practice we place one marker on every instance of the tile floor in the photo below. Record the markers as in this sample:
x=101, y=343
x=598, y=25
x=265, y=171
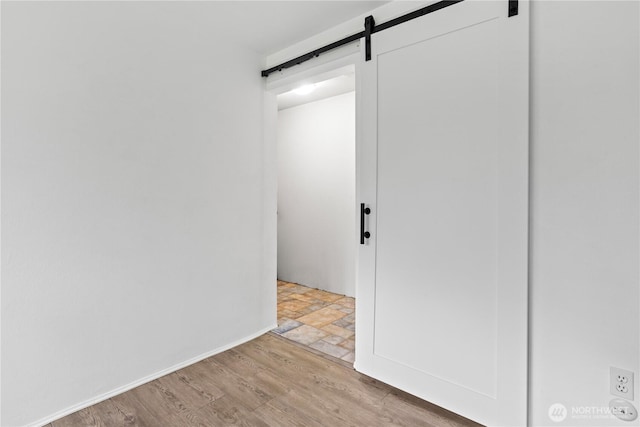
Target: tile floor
x=321, y=320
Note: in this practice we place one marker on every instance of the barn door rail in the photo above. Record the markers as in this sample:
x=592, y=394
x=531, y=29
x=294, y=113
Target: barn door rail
x=372, y=28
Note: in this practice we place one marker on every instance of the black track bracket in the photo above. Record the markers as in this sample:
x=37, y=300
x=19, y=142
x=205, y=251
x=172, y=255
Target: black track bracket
x=369, y=25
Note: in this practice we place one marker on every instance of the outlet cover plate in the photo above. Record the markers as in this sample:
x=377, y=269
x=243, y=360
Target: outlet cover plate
x=621, y=379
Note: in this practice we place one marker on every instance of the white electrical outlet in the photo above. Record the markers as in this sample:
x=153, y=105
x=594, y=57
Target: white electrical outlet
x=621, y=383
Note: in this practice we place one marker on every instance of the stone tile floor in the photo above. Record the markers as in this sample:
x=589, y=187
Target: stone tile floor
x=321, y=320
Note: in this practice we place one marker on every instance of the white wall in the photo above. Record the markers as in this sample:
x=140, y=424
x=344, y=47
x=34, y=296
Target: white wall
x=584, y=202
x=584, y=267
x=316, y=194
x=132, y=196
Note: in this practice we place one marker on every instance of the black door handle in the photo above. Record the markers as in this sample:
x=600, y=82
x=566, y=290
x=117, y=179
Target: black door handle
x=363, y=234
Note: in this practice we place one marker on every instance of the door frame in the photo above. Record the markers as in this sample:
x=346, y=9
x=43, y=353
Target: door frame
x=328, y=67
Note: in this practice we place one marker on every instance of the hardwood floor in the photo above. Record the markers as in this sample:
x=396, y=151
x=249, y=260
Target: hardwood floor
x=265, y=382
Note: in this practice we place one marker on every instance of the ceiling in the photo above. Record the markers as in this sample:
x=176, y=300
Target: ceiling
x=324, y=89
x=269, y=26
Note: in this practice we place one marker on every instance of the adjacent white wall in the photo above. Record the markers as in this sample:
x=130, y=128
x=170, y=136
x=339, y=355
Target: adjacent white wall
x=316, y=194
x=584, y=203
x=132, y=196
x=584, y=267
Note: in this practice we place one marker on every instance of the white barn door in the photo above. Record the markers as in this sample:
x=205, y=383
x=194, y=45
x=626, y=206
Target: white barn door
x=443, y=166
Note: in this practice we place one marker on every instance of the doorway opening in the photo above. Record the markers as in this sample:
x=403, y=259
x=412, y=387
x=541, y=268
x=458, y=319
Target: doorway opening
x=316, y=263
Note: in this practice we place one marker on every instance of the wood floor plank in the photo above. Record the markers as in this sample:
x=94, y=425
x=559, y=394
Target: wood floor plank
x=265, y=382
x=198, y=377
x=340, y=399
x=235, y=385
x=316, y=370
x=150, y=405
x=103, y=414
x=181, y=394
x=265, y=379
x=416, y=412
x=306, y=409
x=224, y=412
x=273, y=415
x=274, y=412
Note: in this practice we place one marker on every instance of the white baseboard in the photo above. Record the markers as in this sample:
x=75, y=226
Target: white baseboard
x=149, y=378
